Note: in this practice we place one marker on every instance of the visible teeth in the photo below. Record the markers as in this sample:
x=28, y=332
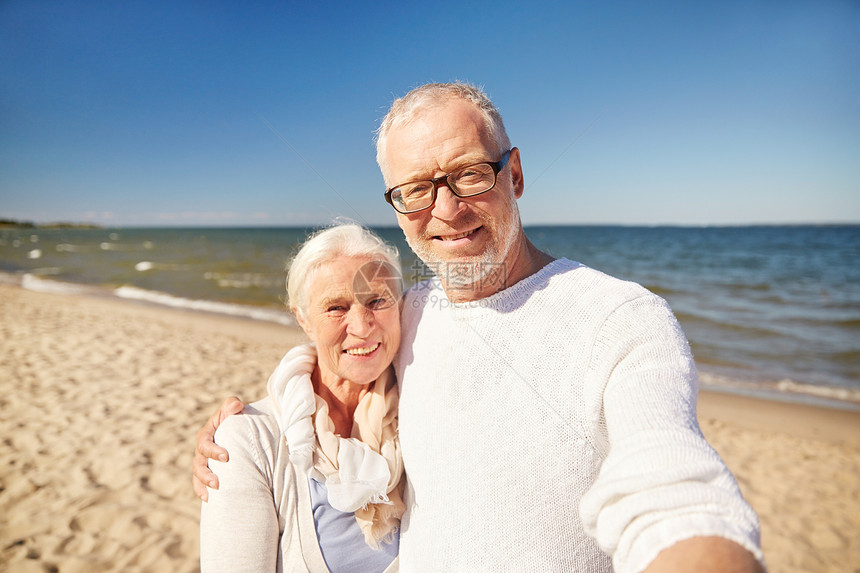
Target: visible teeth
x=362, y=351
x=455, y=237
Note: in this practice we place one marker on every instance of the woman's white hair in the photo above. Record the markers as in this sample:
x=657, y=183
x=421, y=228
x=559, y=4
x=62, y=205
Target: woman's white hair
x=406, y=109
x=327, y=245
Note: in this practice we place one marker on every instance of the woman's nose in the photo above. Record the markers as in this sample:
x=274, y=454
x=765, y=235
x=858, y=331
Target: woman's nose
x=359, y=321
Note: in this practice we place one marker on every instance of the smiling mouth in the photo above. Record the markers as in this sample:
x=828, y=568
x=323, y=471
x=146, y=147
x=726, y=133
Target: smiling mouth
x=361, y=351
x=455, y=237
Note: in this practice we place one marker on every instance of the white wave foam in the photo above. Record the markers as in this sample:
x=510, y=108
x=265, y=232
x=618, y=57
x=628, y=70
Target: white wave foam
x=280, y=317
x=786, y=389
x=149, y=265
x=126, y=247
x=34, y=283
x=35, y=254
x=844, y=394
x=239, y=280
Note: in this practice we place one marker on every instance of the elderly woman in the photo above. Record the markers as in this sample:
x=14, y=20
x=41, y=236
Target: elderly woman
x=314, y=478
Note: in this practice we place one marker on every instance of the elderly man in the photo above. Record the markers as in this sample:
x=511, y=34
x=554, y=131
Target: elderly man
x=548, y=411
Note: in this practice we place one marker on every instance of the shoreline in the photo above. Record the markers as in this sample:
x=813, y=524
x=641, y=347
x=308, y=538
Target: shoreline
x=800, y=420
x=102, y=398
x=789, y=391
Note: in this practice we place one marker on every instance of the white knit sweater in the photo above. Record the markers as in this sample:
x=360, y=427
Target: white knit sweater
x=552, y=427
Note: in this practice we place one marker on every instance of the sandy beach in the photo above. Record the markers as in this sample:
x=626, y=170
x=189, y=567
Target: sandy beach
x=101, y=399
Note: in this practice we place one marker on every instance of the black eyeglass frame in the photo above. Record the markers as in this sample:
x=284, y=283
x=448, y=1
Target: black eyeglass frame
x=497, y=167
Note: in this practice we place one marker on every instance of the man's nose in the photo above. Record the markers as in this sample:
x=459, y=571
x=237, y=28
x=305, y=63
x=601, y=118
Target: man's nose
x=447, y=204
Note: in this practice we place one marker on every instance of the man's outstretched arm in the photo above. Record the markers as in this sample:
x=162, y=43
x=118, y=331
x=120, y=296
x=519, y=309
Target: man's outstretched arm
x=705, y=555
x=207, y=448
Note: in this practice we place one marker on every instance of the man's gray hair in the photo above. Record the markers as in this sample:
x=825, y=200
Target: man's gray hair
x=407, y=108
x=326, y=246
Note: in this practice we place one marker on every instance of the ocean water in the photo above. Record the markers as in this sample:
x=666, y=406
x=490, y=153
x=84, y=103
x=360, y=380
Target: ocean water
x=767, y=309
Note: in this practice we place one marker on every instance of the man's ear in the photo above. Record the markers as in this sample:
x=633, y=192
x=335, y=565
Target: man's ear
x=516, y=167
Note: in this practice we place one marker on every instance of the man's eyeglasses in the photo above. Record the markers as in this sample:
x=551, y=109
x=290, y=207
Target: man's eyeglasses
x=464, y=182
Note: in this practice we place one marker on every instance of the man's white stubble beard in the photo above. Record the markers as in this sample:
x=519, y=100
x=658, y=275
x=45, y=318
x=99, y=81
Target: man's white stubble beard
x=465, y=273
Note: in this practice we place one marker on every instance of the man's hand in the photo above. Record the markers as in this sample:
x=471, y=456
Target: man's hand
x=705, y=555
x=208, y=449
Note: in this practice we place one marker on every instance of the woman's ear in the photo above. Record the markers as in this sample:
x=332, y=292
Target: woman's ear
x=301, y=320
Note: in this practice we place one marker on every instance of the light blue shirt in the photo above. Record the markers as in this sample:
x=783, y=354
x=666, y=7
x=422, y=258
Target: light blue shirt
x=341, y=540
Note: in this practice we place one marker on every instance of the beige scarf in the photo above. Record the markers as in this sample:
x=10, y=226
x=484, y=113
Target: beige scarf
x=362, y=473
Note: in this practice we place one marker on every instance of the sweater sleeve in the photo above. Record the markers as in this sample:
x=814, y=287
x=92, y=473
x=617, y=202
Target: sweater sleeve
x=239, y=529
x=661, y=482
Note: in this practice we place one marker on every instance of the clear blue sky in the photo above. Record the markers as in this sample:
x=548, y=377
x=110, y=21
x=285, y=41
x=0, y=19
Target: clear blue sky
x=159, y=113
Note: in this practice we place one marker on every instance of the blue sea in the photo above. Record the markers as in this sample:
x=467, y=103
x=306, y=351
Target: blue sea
x=769, y=310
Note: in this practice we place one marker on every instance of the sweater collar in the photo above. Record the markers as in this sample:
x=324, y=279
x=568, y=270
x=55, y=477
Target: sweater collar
x=506, y=300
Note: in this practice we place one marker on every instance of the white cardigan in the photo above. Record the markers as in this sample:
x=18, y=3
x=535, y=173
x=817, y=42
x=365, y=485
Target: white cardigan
x=260, y=518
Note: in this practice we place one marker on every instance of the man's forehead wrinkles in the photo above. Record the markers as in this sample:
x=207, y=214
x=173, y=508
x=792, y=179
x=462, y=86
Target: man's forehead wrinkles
x=435, y=159
x=437, y=141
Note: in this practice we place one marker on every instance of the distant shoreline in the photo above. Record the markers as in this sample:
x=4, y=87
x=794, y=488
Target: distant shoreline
x=12, y=224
